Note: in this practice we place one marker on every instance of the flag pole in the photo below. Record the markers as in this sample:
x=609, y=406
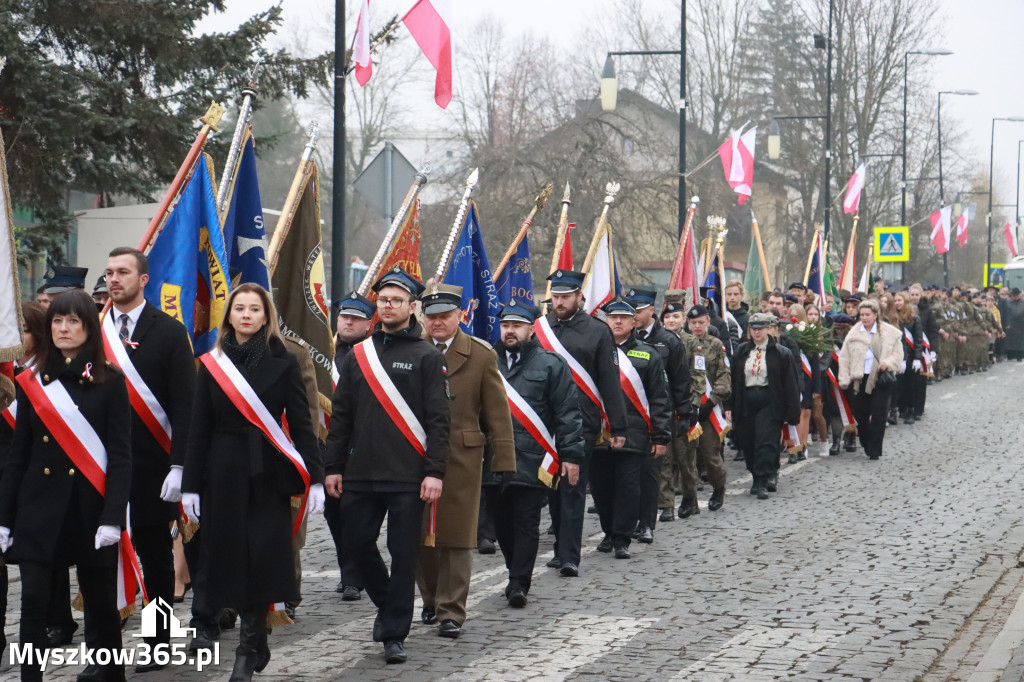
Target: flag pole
x=446, y=254
x=284, y=221
x=560, y=232
x=677, y=265
x=418, y=181
x=231, y=165
x=810, y=256
x=611, y=189
x=538, y=205
x=210, y=121
x=760, y=251
x=849, y=261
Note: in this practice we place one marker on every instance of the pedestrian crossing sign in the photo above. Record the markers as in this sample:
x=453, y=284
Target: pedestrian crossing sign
x=892, y=244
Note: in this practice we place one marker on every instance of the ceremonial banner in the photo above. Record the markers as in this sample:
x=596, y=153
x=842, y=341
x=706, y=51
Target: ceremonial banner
x=565, y=255
x=851, y=203
x=816, y=275
x=188, y=276
x=299, y=287
x=10, y=293
x=1011, y=238
x=602, y=277
x=361, y=46
x=470, y=269
x=940, y=228
x=516, y=280
x=244, y=232
x=753, y=278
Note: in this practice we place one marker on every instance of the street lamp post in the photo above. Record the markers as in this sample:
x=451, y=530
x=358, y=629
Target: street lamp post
x=610, y=89
x=903, y=174
x=991, y=159
x=1016, y=223
x=942, y=194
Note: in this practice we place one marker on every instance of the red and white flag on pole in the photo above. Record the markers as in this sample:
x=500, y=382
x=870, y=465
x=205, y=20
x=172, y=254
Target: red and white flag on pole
x=851, y=204
x=961, y=229
x=361, y=47
x=940, y=228
x=1011, y=238
x=565, y=255
x=737, y=154
x=429, y=22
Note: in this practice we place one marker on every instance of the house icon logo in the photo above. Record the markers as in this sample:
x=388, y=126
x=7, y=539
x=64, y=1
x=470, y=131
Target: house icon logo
x=158, y=614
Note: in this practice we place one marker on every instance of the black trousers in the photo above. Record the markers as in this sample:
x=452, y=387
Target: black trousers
x=650, y=487
x=336, y=524
x=763, y=433
x=392, y=594
x=154, y=547
x=58, y=615
x=485, y=529
x=204, y=614
x=906, y=385
x=99, y=592
x=517, y=527
x=869, y=409
x=920, y=393
x=615, y=485
x=568, y=506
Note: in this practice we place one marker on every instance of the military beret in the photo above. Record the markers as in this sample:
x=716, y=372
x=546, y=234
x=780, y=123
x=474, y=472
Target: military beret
x=697, y=311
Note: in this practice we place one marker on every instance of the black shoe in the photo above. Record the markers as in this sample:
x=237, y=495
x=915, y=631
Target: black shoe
x=757, y=486
x=646, y=536
x=891, y=419
x=378, y=628
x=636, y=532
x=569, y=570
x=792, y=458
x=394, y=652
x=340, y=589
x=605, y=545
x=688, y=508
x=554, y=562
x=667, y=515
x=449, y=628
x=228, y=618
x=739, y=457
x=591, y=509
x=873, y=457
x=762, y=494
x=517, y=599
x=485, y=546
x=60, y=636
x=428, y=615
x=622, y=553
x=909, y=419
x=771, y=483
x=149, y=667
x=289, y=610
x=802, y=455
x=203, y=639
x=351, y=593
x=92, y=673
x=717, y=500
x=834, y=449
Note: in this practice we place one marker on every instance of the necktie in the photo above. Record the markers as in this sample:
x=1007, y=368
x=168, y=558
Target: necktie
x=513, y=359
x=642, y=334
x=124, y=329
x=441, y=345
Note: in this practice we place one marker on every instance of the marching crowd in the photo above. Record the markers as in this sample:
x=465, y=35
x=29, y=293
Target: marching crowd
x=120, y=450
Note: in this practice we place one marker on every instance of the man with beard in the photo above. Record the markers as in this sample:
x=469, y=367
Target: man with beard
x=586, y=345
x=549, y=443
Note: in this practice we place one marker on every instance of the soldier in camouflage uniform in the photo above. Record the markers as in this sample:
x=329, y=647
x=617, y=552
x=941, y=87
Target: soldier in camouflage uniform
x=945, y=343
x=960, y=315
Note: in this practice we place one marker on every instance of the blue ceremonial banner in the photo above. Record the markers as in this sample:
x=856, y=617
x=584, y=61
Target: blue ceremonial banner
x=816, y=275
x=187, y=264
x=244, y=233
x=516, y=280
x=712, y=280
x=470, y=269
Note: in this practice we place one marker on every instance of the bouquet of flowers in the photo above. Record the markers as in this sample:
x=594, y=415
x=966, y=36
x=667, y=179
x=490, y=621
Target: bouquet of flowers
x=812, y=338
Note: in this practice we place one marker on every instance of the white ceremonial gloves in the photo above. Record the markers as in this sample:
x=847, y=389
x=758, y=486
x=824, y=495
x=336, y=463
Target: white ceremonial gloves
x=5, y=538
x=917, y=365
x=190, y=501
x=107, y=536
x=171, y=489
x=315, y=501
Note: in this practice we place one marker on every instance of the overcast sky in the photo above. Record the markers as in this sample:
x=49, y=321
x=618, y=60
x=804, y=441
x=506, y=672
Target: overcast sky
x=984, y=34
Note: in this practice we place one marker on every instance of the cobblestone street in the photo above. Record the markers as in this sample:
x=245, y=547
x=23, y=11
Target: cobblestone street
x=855, y=570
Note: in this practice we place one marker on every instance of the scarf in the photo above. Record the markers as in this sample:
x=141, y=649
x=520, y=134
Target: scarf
x=246, y=356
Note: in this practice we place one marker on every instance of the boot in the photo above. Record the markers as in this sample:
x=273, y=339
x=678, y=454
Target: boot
x=253, y=653
x=850, y=442
x=893, y=419
x=757, y=488
x=834, y=450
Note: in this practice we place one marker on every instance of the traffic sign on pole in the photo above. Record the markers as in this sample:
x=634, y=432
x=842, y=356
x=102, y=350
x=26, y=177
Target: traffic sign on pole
x=892, y=244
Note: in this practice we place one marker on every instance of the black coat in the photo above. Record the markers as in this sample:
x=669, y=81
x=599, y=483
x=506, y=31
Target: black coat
x=544, y=381
x=783, y=389
x=677, y=367
x=245, y=484
x=647, y=362
x=53, y=511
x=1013, y=325
x=364, y=445
x=590, y=342
x=916, y=328
x=163, y=358
x=742, y=315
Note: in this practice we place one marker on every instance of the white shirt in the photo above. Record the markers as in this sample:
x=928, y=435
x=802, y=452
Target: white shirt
x=510, y=358
x=133, y=317
x=869, y=359
x=444, y=345
x=647, y=332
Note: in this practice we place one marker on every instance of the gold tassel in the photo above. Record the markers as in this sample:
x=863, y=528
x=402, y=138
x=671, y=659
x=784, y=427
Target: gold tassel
x=852, y=428
x=78, y=603
x=187, y=529
x=278, y=618
x=126, y=611
x=696, y=432
x=546, y=478
x=726, y=430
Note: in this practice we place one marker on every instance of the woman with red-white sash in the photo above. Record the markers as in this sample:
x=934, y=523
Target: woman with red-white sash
x=251, y=448
x=64, y=490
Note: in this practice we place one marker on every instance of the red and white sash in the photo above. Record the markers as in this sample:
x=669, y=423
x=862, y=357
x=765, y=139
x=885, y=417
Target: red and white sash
x=245, y=400
x=791, y=437
x=927, y=357
x=141, y=397
x=629, y=379
x=717, y=417
x=389, y=397
x=534, y=425
x=80, y=442
x=908, y=337
x=547, y=338
x=845, y=413
x=806, y=365
x=10, y=414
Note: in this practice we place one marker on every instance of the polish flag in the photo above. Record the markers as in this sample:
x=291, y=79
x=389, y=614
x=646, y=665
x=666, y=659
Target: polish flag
x=429, y=22
x=737, y=154
x=961, y=229
x=361, y=47
x=599, y=285
x=1011, y=238
x=940, y=228
x=853, y=189
x=565, y=255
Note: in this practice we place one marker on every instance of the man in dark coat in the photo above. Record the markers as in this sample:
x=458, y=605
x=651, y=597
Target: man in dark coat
x=387, y=468
x=542, y=379
x=1013, y=326
x=739, y=310
x=355, y=313
x=589, y=344
x=158, y=349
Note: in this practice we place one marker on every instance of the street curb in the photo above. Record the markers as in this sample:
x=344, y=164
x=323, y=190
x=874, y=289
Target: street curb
x=1000, y=653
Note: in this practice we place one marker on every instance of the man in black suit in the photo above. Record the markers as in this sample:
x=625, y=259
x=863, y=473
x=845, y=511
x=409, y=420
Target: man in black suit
x=158, y=348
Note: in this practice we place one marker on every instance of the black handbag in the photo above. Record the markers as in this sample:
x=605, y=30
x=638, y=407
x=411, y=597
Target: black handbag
x=885, y=378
